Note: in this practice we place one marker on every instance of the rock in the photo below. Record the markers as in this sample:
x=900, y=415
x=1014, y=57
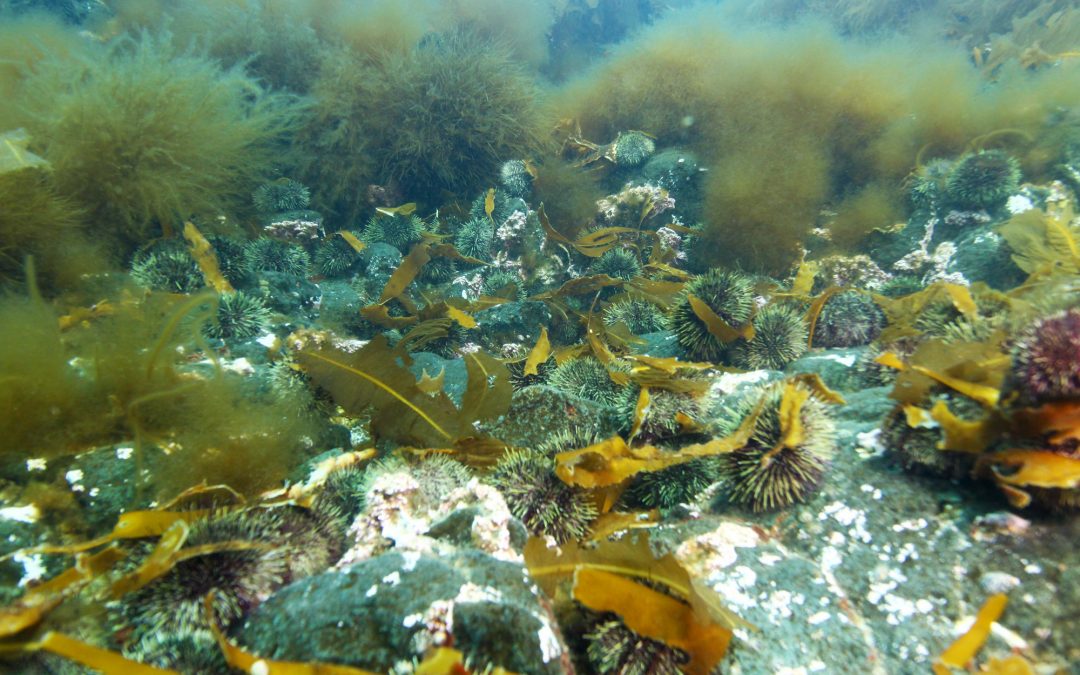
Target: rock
x=662, y=345
x=512, y=322
x=835, y=366
x=339, y=307
x=394, y=607
x=455, y=376
x=288, y=294
x=102, y=481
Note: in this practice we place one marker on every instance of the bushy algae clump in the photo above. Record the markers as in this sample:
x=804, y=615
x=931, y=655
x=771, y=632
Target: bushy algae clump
x=143, y=136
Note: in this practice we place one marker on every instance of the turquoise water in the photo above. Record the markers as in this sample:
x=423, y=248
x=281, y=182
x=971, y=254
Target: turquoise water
x=540, y=336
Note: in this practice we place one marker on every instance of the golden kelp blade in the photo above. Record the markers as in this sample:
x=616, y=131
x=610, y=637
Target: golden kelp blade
x=371, y=379
x=352, y=241
x=551, y=232
x=488, y=392
x=429, y=384
x=204, y=255
x=964, y=435
x=814, y=312
x=101, y=660
x=640, y=411
x=403, y=210
x=130, y=525
x=463, y=319
x=611, y=461
x=654, y=615
x=380, y=316
x=612, y=522
x=1035, y=468
x=158, y=563
x=489, y=204
x=580, y=286
x=597, y=243
x=540, y=353
x=716, y=326
x=967, y=645
x=406, y=271
x=32, y=607
x=632, y=557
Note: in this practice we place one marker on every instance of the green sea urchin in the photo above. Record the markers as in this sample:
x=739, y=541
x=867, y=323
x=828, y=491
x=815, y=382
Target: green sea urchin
x=614, y=649
x=728, y=294
x=640, y=316
x=984, y=180
x=170, y=269
x=280, y=195
x=545, y=504
x=586, y=377
x=632, y=148
x=848, y=319
x=766, y=475
x=239, y=316
x=618, y=263
x=273, y=255
x=779, y=338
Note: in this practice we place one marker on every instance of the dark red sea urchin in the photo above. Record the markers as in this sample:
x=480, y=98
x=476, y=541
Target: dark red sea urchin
x=1046, y=359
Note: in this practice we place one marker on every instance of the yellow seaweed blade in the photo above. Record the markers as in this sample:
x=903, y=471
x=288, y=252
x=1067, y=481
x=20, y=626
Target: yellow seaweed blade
x=804, y=279
x=370, y=380
x=157, y=564
x=488, y=392
x=716, y=326
x=204, y=256
x=102, y=660
x=464, y=320
x=429, y=384
x=352, y=241
x=1035, y=468
x=406, y=271
x=654, y=615
x=489, y=204
x=967, y=645
x=640, y=411
x=540, y=353
x=403, y=210
x=984, y=394
x=963, y=435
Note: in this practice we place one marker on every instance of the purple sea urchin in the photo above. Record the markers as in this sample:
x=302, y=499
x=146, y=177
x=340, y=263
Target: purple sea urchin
x=848, y=319
x=614, y=649
x=1046, y=359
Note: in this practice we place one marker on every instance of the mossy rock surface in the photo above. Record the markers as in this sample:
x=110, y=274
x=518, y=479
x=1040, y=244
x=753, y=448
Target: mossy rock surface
x=359, y=616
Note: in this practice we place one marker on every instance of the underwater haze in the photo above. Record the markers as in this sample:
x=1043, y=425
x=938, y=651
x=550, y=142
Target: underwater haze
x=635, y=337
